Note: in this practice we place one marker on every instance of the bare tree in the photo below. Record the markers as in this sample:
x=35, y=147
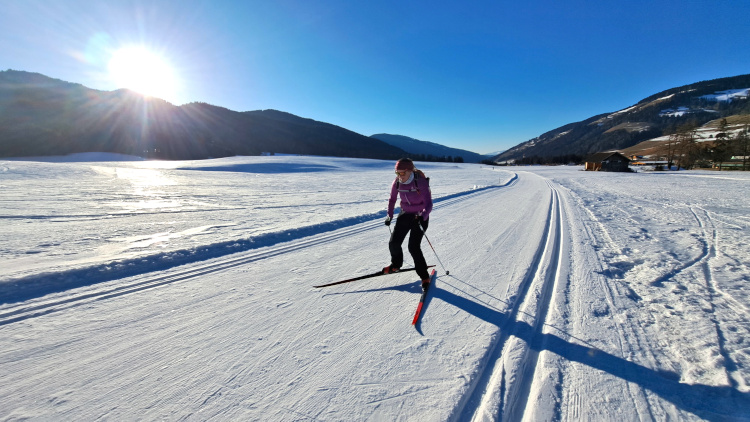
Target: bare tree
x=686, y=150
x=668, y=150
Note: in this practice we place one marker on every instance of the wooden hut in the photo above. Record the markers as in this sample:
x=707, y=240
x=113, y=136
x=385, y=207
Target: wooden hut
x=607, y=161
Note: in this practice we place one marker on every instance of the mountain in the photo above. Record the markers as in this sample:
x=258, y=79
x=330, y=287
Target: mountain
x=426, y=149
x=652, y=117
x=44, y=116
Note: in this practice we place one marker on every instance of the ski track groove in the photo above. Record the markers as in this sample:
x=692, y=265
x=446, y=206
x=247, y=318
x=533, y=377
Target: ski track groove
x=549, y=278
x=472, y=404
x=486, y=396
x=35, y=308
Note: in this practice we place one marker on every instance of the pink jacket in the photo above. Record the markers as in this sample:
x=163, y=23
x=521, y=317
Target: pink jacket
x=416, y=197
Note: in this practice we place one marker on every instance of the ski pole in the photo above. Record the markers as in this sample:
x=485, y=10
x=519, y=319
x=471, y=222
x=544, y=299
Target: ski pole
x=433, y=249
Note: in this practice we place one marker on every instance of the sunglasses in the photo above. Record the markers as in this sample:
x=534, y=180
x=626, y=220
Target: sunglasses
x=402, y=173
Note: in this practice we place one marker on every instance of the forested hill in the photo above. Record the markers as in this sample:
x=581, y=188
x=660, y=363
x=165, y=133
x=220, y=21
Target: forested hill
x=44, y=116
x=657, y=115
x=430, y=151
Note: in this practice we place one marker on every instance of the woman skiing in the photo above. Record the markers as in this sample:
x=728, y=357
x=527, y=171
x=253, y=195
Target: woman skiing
x=416, y=204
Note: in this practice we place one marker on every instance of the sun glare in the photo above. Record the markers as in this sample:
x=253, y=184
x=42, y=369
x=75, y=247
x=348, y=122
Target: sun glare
x=141, y=70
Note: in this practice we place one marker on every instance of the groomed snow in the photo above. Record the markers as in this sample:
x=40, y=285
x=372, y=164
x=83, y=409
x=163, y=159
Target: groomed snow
x=183, y=290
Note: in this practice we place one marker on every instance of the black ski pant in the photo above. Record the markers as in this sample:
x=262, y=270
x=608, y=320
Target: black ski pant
x=405, y=223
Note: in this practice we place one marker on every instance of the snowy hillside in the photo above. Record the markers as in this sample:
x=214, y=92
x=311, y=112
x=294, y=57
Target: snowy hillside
x=729, y=95
x=655, y=116
x=183, y=290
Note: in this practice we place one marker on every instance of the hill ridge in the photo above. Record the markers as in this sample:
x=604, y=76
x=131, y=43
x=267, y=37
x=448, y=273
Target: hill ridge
x=428, y=149
x=44, y=116
x=654, y=116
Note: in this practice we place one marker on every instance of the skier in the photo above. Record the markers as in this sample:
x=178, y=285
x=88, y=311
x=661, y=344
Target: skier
x=416, y=204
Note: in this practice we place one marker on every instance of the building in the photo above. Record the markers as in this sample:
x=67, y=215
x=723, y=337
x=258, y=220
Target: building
x=737, y=162
x=607, y=161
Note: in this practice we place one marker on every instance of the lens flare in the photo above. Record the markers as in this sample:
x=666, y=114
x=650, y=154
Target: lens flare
x=143, y=71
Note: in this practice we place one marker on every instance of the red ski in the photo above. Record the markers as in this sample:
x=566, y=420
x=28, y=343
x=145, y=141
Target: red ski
x=421, y=299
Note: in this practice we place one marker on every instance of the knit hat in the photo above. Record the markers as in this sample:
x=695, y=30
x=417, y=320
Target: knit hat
x=405, y=164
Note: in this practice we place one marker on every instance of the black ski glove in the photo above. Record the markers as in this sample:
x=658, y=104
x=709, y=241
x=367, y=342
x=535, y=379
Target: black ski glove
x=388, y=221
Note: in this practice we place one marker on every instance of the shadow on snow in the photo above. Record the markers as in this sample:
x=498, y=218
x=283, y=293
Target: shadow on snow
x=708, y=402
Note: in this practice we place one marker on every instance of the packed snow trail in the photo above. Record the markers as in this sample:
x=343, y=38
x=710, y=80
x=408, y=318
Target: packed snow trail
x=237, y=342
x=534, y=322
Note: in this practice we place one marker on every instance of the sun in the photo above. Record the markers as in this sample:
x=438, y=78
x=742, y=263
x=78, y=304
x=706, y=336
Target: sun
x=143, y=71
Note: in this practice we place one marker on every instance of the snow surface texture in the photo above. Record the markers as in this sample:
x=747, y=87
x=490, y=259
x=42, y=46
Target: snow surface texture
x=183, y=290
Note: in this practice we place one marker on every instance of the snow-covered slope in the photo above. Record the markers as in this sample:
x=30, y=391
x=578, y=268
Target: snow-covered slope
x=652, y=117
x=183, y=290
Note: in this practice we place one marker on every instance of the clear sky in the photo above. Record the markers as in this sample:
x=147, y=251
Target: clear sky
x=477, y=75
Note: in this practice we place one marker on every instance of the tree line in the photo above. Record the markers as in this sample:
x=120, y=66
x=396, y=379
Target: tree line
x=436, y=159
x=683, y=150
x=543, y=160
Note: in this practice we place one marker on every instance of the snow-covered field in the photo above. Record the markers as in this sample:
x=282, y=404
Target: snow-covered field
x=183, y=290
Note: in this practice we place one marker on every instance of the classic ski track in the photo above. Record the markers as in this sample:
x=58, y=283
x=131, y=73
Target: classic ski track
x=484, y=398
x=137, y=283
x=519, y=391
x=35, y=308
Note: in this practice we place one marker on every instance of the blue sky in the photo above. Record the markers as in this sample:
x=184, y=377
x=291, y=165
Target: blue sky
x=477, y=75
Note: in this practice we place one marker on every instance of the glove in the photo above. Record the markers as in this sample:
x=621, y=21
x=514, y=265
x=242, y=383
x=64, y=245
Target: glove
x=388, y=221
x=421, y=223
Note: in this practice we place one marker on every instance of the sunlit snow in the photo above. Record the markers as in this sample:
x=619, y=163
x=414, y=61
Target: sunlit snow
x=183, y=290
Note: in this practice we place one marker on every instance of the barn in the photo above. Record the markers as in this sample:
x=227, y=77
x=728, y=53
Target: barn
x=607, y=161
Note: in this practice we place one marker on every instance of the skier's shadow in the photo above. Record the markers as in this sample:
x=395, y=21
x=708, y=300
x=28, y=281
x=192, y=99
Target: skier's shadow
x=722, y=403
x=705, y=401
x=411, y=287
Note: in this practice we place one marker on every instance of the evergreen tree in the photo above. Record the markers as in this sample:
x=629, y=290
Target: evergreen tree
x=721, y=149
x=741, y=146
